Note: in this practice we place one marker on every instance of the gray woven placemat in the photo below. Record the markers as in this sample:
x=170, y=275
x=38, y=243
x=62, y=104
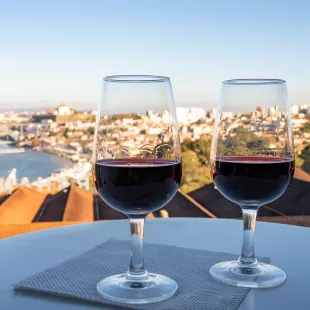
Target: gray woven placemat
x=78, y=277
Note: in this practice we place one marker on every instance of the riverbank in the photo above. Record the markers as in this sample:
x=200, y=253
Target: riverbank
x=6, y=147
x=12, y=151
x=32, y=164
x=72, y=155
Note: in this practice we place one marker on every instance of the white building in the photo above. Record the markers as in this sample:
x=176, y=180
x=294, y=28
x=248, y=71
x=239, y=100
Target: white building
x=182, y=115
x=303, y=107
x=196, y=114
x=190, y=115
x=212, y=113
x=154, y=131
x=166, y=117
x=127, y=121
x=272, y=112
x=63, y=109
x=227, y=115
x=154, y=118
x=294, y=109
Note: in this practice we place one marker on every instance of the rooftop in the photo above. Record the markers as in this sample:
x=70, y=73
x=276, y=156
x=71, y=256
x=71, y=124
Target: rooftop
x=28, y=210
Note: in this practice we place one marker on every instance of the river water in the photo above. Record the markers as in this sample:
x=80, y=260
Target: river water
x=31, y=164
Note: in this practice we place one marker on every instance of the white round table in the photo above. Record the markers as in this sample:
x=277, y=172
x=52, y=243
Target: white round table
x=288, y=247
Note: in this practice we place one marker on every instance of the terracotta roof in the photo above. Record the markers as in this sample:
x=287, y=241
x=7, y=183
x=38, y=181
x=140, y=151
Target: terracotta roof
x=3, y=198
x=21, y=207
x=105, y=212
x=79, y=206
x=294, y=201
x=53, y=208
x=71, y=204
x=180, y=206
x=197, y=205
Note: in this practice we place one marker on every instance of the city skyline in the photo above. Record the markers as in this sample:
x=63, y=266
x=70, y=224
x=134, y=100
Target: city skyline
x=59, y=51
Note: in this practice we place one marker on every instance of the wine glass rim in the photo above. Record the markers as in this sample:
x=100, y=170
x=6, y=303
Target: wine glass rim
x=136, y=78
x=254, y=81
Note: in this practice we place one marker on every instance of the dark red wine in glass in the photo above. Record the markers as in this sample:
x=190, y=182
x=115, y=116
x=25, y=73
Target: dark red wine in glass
x=250, y=180
x=137, y=186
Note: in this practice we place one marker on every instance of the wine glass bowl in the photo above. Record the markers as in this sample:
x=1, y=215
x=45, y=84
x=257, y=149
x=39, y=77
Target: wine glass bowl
x=137, y=170
x=252, y=163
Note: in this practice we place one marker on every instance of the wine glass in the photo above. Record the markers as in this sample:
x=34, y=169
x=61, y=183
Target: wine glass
x=137, y=170
x=252, y=163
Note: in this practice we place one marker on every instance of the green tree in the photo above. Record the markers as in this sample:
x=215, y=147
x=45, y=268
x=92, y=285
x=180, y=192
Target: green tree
x=190, y=166
x=200, y=146
x=194, y=174
x=244, y=139
x=298, y=161
x=186, y=145
x=306, y=128
x=35, y=142
x=66, y=133
x=91, y=130
x=305, y=156
x=136, y=116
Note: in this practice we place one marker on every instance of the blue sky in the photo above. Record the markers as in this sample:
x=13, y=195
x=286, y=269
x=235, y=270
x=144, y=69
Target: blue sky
x=58, y=50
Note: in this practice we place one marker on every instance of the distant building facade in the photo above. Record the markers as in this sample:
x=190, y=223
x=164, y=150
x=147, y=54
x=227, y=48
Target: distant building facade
x=63, y=109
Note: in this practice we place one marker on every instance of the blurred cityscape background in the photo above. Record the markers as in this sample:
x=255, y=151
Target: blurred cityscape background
x=55, y=55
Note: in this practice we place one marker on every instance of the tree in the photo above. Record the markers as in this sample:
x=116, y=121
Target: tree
x=305, y=156
x=136, y=116
x=91, y=130
x=66, y=133
x=298, y=161
x=194, y=174
x=306, y=128
x=200, y=146
x=190, y=166
x=35, y=142
x=186, y=145
x=244, y=139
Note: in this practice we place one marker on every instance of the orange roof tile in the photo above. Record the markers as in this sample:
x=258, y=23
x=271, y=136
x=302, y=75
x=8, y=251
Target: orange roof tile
x=21, y=207
x=79, y=206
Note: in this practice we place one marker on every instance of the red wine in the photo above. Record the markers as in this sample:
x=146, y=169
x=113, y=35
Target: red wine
x=252, y=180
x=137, y=186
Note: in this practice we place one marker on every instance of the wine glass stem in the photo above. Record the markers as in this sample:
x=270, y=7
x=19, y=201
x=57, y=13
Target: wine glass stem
x=247, y=257
x=137, y=269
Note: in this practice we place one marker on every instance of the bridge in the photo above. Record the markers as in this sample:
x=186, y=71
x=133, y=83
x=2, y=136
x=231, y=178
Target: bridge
x=13, y=135
x=17, y=136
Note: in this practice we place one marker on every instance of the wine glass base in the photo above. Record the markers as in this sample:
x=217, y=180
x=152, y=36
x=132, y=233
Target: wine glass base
x=259, y=276
x=120, y=289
